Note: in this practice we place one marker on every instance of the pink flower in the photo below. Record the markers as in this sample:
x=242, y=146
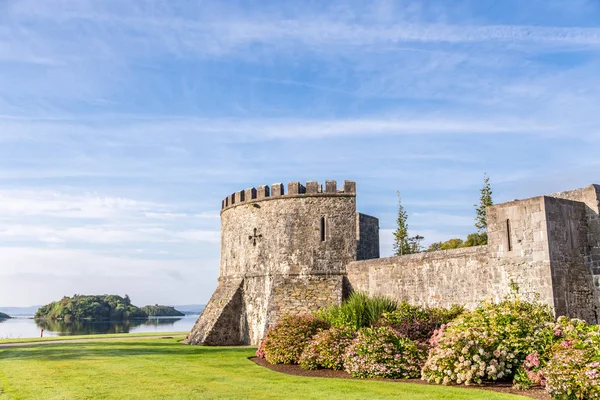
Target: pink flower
x=557, y=332
x=533, y=360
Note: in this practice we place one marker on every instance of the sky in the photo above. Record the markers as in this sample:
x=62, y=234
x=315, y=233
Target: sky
x=123, y=124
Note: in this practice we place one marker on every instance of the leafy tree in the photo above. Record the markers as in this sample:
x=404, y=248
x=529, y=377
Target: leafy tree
x=452, y=244
x=476, y=239
x=401, y=243
x=485, y=201
x=435, y=246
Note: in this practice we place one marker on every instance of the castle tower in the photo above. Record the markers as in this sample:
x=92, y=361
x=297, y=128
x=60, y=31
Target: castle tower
x=283, y=253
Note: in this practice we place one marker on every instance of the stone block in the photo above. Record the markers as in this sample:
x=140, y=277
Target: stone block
x=263, y=192
x=296, y=188
x=250, y=194
x=330, y=187
x=277, y=190
x=349, y=187
x=312, y=187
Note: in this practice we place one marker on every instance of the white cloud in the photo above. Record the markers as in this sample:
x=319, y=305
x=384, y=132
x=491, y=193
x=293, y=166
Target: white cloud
x=52, y=203
x=50, y=274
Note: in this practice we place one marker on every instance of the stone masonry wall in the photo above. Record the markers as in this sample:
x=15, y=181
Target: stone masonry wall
x=439, y=278
x=590, y=196
x=539, y=244
x=220, y=320
x=518, y=245
x=303, y=294
x=367, y=237
x=469, y=275
x=572, y=280
x=293, y=253
x=289, y=250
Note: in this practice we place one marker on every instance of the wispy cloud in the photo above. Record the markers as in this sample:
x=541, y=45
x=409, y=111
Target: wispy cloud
x=124, y=124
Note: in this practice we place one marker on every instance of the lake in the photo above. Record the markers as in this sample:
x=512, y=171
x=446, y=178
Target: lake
x=24, y=327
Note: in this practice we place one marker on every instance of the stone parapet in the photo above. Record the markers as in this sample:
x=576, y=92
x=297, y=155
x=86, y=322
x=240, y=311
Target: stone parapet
x=295, y=189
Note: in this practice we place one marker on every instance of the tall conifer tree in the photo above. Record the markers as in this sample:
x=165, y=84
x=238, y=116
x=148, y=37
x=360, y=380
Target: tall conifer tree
x=401, y=239
x=485, y=201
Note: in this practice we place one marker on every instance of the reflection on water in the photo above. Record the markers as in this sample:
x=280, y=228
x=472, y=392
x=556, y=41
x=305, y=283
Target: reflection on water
x=97, y=327
x=27, y=327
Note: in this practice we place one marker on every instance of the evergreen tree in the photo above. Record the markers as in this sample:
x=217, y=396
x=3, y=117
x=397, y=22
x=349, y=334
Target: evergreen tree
x=485, y=200
x=401, y=239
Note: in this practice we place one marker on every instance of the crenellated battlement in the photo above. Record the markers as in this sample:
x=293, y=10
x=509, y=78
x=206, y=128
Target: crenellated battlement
x=294, y=190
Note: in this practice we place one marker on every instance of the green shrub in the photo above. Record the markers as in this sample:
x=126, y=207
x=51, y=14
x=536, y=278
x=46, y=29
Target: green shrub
x=358, y=311
x=488, y=343
x=286, y=340
x=382, y=353
x=418, y=323
x=327, y=348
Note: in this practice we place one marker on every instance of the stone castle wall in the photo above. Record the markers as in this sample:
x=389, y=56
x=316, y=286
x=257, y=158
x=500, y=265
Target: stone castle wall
x=286, y=252
x=540, y=244
x=572, y=279
x=590, y=196
x=367, y=237
x=297, y=252
x=439, y=278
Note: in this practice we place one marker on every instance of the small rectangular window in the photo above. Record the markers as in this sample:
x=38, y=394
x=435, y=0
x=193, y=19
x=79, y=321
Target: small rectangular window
x=322, y=229
x=509, y=243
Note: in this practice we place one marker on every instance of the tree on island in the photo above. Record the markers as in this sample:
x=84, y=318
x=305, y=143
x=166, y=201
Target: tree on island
x=4, y=316
x=100, y=308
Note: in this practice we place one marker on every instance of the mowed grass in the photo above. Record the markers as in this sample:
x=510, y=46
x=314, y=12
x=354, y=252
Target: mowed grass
x=99, y=336
x=166, y=369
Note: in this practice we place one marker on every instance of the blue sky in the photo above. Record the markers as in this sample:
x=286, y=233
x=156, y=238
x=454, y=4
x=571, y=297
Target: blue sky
x=124, y=124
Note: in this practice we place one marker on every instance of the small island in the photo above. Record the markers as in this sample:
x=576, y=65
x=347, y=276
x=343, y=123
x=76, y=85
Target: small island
x=161, y=311
x=100, y=308
x=4, y=316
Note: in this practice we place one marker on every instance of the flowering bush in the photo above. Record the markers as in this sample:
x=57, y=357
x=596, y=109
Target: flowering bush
x=260, y=352
x=573, y=373
x=327, y=348
x=382, y=353
x=549, y=338
x=286, y=340
x=488, y=343
x=573, y=368
x=418, y=323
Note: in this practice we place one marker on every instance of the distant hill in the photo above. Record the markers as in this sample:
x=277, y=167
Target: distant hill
x=3, y=316
x=20, y=311
x=191, y=309
x=161, y=311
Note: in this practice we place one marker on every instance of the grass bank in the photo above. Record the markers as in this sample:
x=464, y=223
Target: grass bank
x=164, y=368
x=99, y=336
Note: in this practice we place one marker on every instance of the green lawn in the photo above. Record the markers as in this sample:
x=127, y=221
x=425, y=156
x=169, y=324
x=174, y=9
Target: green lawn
x=166, y=369
x=99, y=336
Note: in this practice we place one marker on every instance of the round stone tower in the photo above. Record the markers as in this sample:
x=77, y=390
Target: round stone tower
x=282, y=253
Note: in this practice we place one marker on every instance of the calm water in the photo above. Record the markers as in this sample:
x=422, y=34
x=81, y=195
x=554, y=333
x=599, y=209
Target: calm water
x=28, y=328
